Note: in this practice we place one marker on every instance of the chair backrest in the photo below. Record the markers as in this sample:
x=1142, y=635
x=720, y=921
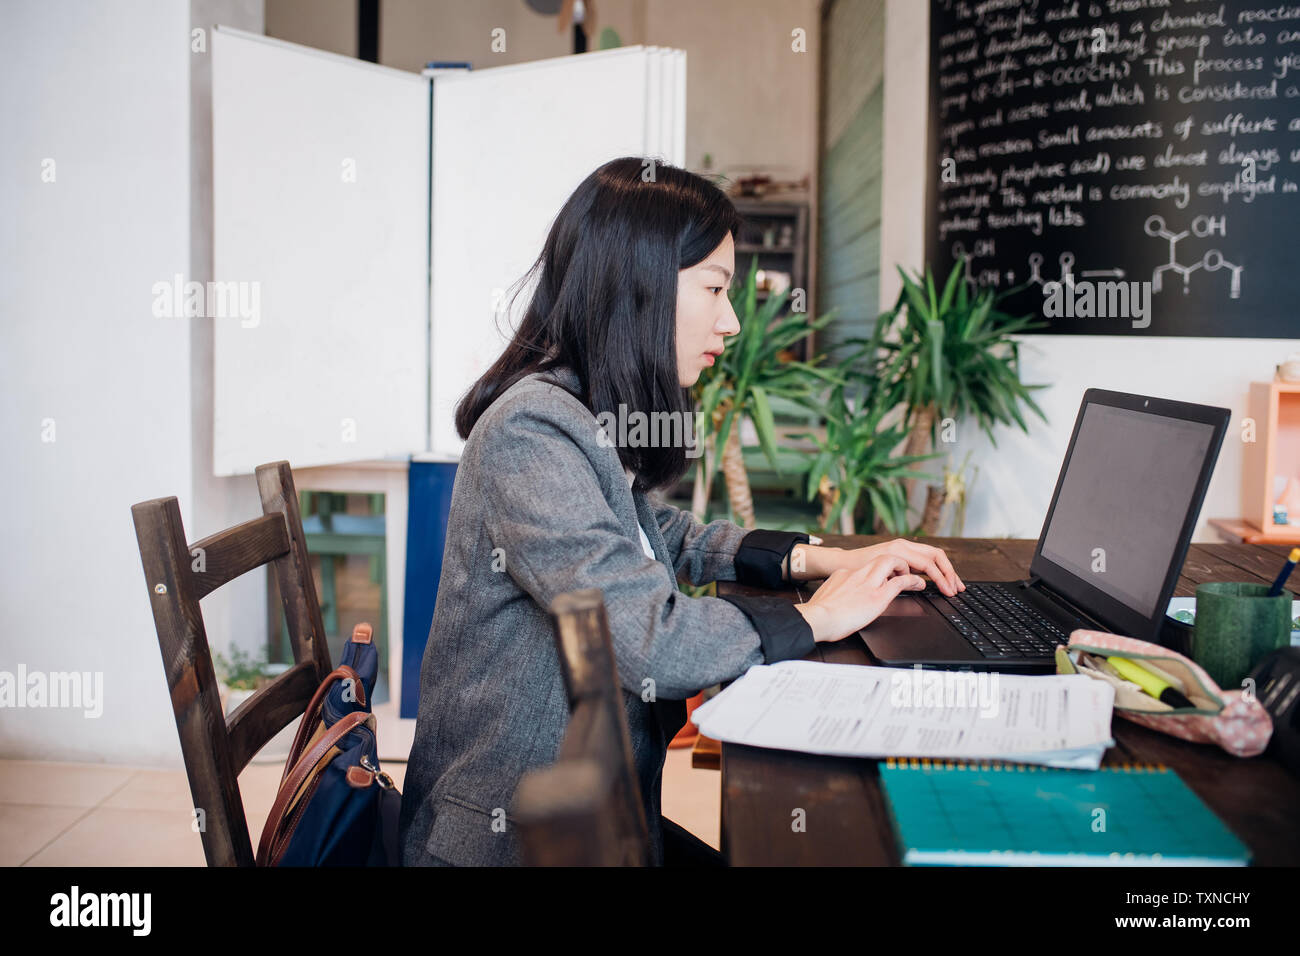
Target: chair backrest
x=585, y=810
x=178, y=575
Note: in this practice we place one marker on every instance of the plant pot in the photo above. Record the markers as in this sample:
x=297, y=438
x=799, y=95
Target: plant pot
x=233, y=697
x=277, y=748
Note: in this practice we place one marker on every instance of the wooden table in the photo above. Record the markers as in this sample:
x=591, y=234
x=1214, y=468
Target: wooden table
x=846, y=819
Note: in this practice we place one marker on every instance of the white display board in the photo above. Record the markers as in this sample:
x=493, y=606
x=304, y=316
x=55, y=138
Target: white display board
x=510, y=144
x=380, y=245
x=320, y=212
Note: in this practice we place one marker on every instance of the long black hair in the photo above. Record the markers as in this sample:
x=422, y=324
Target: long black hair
x=605, y=302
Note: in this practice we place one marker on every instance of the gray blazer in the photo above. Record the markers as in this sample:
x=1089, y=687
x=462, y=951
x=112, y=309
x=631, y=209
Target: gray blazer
x=539, y=507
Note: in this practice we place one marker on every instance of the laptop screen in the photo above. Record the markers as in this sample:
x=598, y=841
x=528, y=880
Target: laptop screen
x=1123, y=501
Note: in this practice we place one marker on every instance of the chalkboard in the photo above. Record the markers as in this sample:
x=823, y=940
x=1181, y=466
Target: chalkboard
x=1089, y=151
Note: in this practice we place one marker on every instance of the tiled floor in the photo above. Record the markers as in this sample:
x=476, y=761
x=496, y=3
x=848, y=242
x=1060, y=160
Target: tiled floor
x=64, y=814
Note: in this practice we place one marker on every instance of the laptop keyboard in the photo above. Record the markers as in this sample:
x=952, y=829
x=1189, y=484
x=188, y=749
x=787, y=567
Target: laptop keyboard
x=997, y=623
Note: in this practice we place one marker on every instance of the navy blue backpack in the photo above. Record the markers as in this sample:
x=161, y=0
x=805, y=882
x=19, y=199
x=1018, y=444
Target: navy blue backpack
x=335, y=807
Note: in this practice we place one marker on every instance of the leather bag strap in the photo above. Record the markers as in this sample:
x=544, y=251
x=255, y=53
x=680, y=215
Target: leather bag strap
x=311, y=716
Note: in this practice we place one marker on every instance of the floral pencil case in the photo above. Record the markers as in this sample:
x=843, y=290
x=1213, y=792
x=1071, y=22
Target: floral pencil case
x=1234, y=720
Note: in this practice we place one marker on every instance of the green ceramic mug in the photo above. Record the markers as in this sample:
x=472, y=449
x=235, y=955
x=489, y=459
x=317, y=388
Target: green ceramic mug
x=1236, y=625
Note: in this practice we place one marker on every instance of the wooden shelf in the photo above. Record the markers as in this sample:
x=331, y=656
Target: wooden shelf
x=1237, y=531
x=1274, y=454
x=790, y=257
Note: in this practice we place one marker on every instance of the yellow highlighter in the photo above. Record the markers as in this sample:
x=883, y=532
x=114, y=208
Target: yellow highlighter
x=1157, y=687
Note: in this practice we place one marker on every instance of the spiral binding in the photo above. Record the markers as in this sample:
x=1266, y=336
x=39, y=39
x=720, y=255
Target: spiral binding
x=931, y=763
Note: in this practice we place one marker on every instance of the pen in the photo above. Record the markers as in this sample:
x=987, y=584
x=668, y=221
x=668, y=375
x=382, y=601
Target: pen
x=1149, y=682
x=1287, y=568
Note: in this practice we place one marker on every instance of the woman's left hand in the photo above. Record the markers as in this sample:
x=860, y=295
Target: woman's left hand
x=819, y=561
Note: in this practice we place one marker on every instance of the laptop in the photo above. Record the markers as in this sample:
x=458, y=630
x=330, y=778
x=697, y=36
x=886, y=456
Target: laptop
x=1108, y=558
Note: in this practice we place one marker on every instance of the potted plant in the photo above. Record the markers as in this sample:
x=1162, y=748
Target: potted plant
x=750, y=371
x=950, y=356
x=240, y=676
x=856, y=458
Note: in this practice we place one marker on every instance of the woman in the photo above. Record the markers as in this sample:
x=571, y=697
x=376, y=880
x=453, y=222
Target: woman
x=629, y=307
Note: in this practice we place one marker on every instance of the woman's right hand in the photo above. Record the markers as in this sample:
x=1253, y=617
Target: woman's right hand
x=850, y=600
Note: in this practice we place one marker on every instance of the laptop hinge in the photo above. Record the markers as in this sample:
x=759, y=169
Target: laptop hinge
x=1037, y=582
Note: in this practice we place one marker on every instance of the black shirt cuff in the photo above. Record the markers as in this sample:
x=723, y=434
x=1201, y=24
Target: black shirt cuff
x=782, y=630
x=761, y=554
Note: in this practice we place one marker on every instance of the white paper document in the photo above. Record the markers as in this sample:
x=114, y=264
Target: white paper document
x=852, y=711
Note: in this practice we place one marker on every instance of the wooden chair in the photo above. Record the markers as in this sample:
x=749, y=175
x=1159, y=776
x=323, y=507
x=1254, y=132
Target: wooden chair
x=178, y=575
x=585, y=810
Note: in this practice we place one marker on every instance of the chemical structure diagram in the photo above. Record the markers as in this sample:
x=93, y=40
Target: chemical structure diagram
x=1066, y=262
x=1036, y=260
x=1212, y=261
x=983, y=247
x=1155, y=227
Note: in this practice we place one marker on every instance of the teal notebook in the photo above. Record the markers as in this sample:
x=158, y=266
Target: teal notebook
x=952, y=814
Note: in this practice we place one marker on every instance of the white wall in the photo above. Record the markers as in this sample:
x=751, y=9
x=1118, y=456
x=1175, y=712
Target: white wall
x=103, y=91
x=100, y=90
x=1014, y=486
x=750, y=99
